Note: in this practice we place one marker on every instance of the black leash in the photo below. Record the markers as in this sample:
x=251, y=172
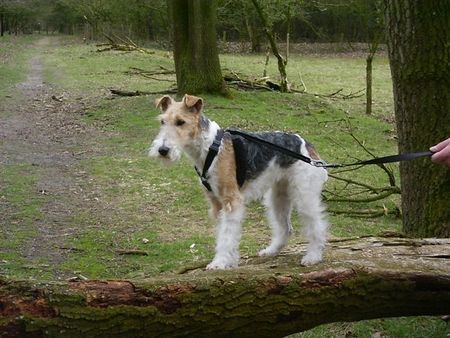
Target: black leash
x=323, y=164
x=214, y=150
x=381, y=160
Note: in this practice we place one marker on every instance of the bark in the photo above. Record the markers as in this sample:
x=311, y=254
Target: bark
x=417, y=34
x=195, y=47
x=2, y=24
x=369, y=60
x=271, y=297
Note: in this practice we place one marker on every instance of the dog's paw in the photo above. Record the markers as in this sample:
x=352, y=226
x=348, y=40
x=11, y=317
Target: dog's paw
x=311, y=258
x=269, y=251
x=221, y=264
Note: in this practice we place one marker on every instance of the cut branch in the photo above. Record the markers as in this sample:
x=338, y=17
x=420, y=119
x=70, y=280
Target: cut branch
x=269, y=297
x=121, y=44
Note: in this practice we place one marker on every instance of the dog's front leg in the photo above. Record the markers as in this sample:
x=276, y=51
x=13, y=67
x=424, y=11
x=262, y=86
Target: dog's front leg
x=215, y=206
x=228, y=236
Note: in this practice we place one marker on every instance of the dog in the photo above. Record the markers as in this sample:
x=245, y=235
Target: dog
x=242, y=171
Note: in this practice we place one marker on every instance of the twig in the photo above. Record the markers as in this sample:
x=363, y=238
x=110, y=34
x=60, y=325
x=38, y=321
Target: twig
x=378, y=197
x=370, y=213
x=141, y=93
x=131, y=252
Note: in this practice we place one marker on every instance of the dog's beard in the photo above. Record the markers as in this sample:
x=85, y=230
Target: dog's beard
x=173, y=155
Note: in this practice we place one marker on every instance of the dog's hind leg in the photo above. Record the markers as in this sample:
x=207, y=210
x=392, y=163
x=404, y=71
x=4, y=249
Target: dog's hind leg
x=279, y=208
x=307, y=196
x=312, y=213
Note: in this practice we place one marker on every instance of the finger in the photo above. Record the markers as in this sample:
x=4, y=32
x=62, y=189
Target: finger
x=440, y=145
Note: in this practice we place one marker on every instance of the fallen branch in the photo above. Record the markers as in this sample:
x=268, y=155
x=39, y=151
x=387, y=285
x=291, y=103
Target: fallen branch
x=266, y=297
x=120, y=92
x=369, y=213
x=121, y=44
x=339, y=95
x=131, y=252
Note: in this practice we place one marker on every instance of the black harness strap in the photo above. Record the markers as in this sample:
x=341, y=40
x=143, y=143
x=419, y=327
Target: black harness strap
x=212, y=152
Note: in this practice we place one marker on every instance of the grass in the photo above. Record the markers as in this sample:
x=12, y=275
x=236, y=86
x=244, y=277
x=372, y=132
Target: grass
x=14, y=54
x=141, y=204
x=20, y=210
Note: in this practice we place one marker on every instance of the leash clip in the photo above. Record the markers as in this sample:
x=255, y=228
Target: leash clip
x=318, y=163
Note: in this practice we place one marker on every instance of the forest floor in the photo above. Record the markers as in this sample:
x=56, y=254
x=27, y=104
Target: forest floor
x=77, y=189
x=43, y=140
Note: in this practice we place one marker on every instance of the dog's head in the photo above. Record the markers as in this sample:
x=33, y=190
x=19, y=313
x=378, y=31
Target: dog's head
x=180, y=126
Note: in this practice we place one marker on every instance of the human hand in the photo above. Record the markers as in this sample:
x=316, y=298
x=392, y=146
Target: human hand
x=441, y=152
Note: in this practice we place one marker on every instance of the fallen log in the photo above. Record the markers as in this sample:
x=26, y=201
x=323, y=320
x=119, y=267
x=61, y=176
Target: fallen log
x=361, y=278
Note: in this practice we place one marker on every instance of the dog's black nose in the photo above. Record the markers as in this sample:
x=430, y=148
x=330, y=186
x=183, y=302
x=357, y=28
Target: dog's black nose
x=163, y=150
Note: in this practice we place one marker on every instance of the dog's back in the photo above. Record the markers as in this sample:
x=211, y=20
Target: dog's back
x=252, y=158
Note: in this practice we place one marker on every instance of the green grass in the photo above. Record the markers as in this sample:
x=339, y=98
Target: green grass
x=137, y=198
x=402, y=327
x=20, y=209
x=14, y=54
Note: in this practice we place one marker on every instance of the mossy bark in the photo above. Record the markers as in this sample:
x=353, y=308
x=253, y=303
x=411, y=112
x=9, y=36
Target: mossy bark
x=418, y=35
x=195, y=47
x=270, y=297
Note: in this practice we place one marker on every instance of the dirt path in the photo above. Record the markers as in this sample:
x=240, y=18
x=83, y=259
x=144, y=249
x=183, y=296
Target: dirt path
x=42, y=129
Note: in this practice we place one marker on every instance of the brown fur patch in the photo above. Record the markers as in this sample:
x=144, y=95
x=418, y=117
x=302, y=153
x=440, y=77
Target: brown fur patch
x=216, y=206
x=312, y=151
x=229, y=194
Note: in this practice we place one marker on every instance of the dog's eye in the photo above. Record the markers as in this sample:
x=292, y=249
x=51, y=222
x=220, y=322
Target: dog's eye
x=179, y=123
x=162, y=122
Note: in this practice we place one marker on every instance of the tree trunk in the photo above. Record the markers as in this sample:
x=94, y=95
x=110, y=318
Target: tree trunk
x=266, y=297
x=284, y=87
x=2, y=24
x=418, y=33
x=195, y=47
x=369, y=60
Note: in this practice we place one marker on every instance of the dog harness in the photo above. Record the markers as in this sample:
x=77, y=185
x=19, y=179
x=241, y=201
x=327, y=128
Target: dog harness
x=212, y=153
x=241, y=156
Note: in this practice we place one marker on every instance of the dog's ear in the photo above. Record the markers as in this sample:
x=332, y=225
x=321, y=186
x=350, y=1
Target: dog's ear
x=193, y=102
x=163, y=102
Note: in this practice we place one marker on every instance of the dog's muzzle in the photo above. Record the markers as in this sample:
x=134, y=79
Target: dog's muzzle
x=163, y=150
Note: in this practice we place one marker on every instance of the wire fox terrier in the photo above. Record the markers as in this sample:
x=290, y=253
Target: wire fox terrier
x=243, y=171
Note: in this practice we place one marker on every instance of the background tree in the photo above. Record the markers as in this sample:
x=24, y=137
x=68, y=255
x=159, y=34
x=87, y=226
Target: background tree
x=418, y=33
x=196, y=55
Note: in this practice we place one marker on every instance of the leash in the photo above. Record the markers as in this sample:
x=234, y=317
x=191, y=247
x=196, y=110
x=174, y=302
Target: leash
x=323, y=164
x=214, y=150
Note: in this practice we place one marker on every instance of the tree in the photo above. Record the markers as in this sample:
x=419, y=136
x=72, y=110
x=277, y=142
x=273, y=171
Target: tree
x=282, y=62
x=367, y=278
x=417, y=34
x=196, y=55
